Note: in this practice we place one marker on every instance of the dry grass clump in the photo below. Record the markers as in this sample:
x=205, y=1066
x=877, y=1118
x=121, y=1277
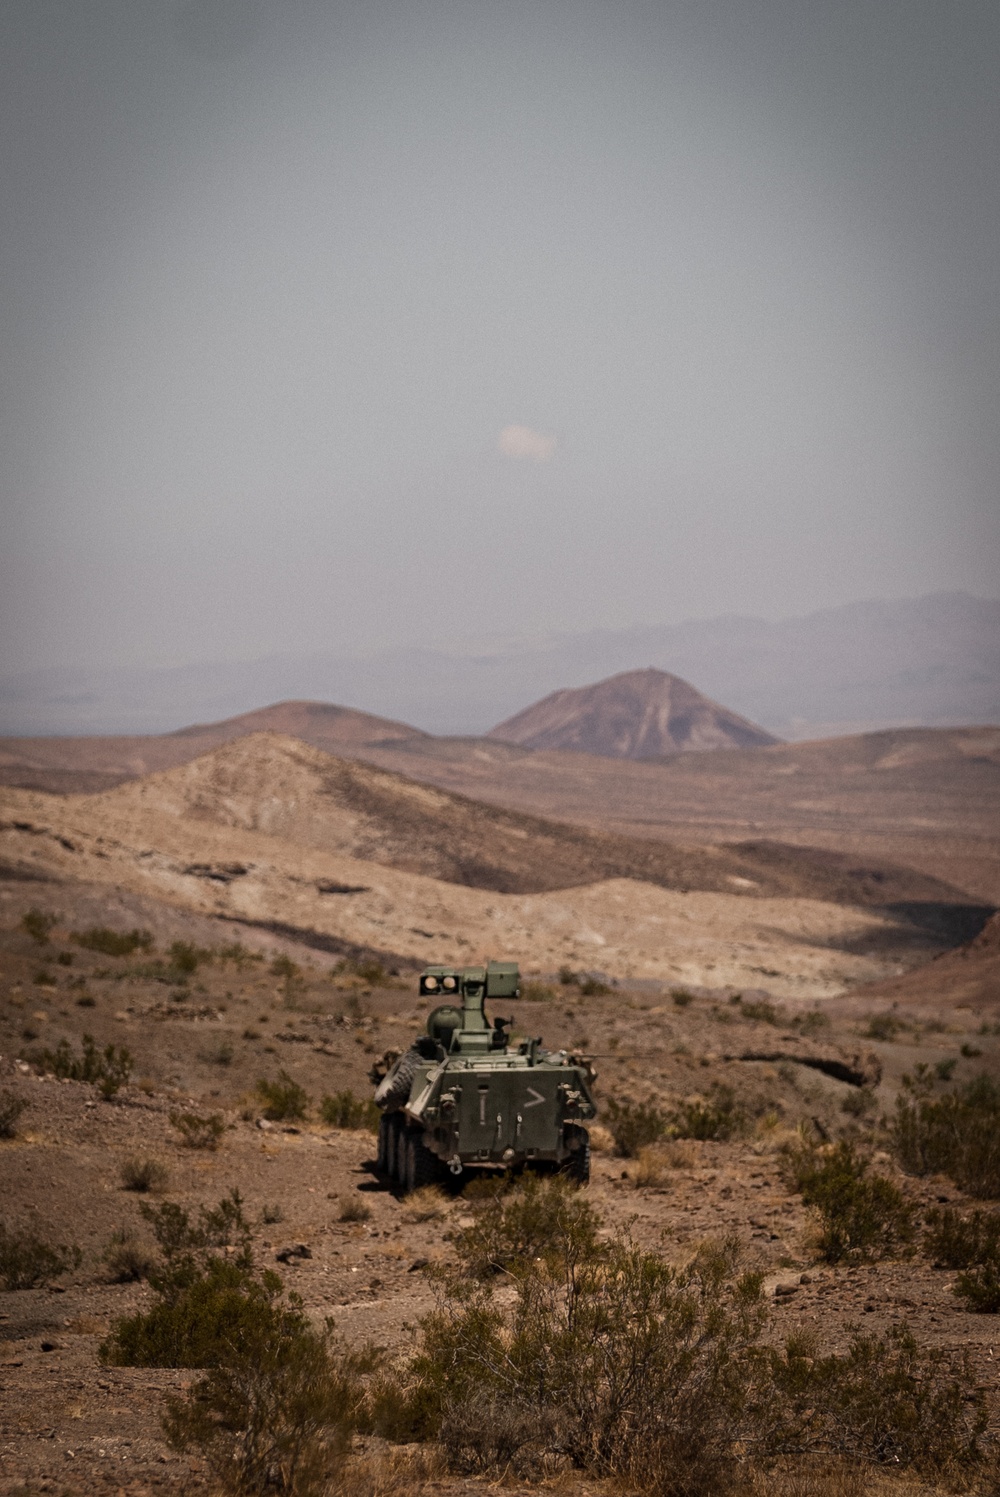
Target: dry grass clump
x=128, y=1261
x=392, y=1471
x=199, y=1132
x=354, y=1209
x=426, y=1205
x=143, y=1175
x=602, y=1140
x=11, y=1108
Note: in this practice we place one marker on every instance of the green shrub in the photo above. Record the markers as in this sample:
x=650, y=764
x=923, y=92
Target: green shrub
x=681, y=997
x=542, y=1220
x=108, y=1069
x=113, y=942
x=634, y=1125
x=762, y=1012
x=127, y=1260
x=883, y=1027
x=26, y=1262
x=142, y=1174
x=354, y=1209
x=971, y=1243
x=887, y=1401
x=274, y=1407
x=957, y=1134
x=38, y=925
x=718, y=1118
x=591, y=987
x=186, y=957
x=11, y=1108
x=345, y=1110
x=862, y=1216
x=284, y=1100
x=199, y=1132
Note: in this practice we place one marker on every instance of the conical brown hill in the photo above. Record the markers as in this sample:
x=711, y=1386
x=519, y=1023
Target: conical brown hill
x=282, y=788
x=637, y=715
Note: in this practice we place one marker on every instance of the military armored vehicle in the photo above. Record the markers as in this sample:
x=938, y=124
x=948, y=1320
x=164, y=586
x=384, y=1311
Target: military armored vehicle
x=463, y=1097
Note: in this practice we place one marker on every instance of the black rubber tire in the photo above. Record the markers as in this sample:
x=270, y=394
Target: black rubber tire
x=394, y=1163
x=382, y=1154
x=420, y=1166
x=395, y=1089
x=577, y=1165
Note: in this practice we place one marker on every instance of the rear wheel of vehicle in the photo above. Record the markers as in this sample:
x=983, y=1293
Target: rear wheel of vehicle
x=420, y=1166
x=577, y=1165
x=382, y=1154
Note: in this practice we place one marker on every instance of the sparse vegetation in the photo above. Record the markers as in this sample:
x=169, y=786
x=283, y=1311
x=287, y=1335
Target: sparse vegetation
x=27, y=1262
x=11, y=1108
x=533, y=991
x=127, y=1260
x=38, y=925
x=957, y=1134
x=425, y=1205
x=108, y=1069
x=584, y=982
x=274, y=1406
x=186, y=957
x=345, y=1110
x=198, y=1132
x=862, y=1216
x=142, y=1174
x=884, y=1026
x=970, y=1243
x=718, y=1118
x=681, y=998
x=760, y=1011
x=354, y=1209
x=110, y=942
x=662, y=1377
x=633, y=1125
x=284, y=1100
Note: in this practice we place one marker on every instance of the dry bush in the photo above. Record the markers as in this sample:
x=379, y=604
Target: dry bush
x=391, y=1471
x=862, y=1216
x=11, y=1108
x=354, y=1209
x=38, y=924
x=957, y=1134
x=651, y=1168
x=284, y=1100
x=199, y=1132
x=113, y=942
x=345, y=1110
x=634, y=1125
x=108, y=1069
x=428, y=1204
x=26, y=1262
x=601, y=1139
x=127, y=1259
x=972, y=1244
x=143, y=1175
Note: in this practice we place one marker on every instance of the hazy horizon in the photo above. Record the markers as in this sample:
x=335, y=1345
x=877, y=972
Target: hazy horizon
x=337, y=328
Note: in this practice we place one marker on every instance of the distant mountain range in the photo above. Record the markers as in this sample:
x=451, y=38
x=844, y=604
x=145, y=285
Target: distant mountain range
x=932, y=661
x=636, y=715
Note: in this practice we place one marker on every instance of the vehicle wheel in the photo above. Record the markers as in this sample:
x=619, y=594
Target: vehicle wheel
x=577, y=1165
x=382, y=1153
x=396, y=1146
x=420, y=1166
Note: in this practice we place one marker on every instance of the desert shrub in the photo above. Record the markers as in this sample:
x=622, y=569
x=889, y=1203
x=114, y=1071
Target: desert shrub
x=108, y=1069
x=284, y=1100
x=887, y=1400
x=883, y=1027
x=759, y=1011
x=634, y=1125
x=128, y=1261
x=718, y=1118
x=237, y=953
x=584, y=982
x=11, y=1108
x=944, y=1069
x=218, y=1055
x=186, y=957
x=425, y=1205
x=541, y=1219
x=859, y=1102
x=533, y=991
x=863, y=1216
x=283, y=966
x=274, y=1407
x=651, y=1168
x=27, y=1262
x=141, y=1174
x=971, y=1243
x=681, y=997
x=38, y=925
x=662, y=1377
x=345, y=1110
x=199, y=1132
x=957, y=1134
x=812, y=1022
x=354, y=1209
x=113, y=942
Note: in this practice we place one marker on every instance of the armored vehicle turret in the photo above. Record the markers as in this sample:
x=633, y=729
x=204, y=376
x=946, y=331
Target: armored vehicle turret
x=463, y=1097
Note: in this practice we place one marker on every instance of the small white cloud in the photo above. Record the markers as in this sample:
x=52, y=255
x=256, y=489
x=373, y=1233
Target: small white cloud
x=522, y=441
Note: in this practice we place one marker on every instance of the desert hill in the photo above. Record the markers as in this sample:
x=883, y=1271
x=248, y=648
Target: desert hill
x=281, y=787
x=637, y=715
x=88, y=765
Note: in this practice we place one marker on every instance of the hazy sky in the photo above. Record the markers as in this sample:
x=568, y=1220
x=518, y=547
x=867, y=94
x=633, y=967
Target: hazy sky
x=333, y=325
